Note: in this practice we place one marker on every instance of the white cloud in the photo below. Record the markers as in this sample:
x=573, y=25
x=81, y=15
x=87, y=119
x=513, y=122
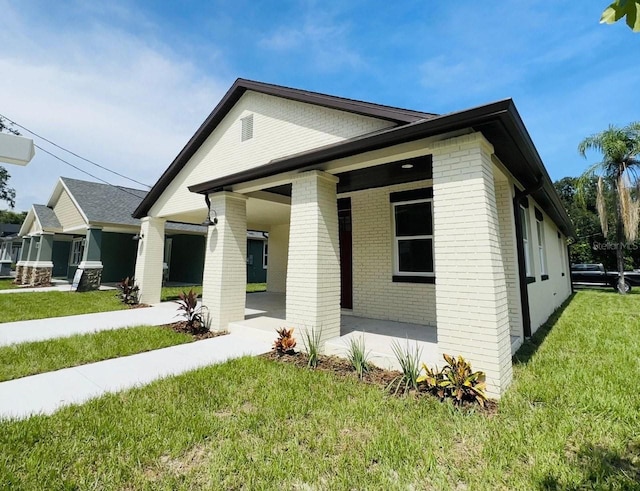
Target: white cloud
x=321, y=41
x=102, y=92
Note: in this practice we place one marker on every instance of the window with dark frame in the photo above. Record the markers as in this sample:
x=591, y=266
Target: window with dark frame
x=413, y=238
x=524, y=220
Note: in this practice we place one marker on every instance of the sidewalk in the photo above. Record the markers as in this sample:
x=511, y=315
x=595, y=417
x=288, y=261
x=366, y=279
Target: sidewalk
x=56, y=327
x=47, y=392
x=64, y=287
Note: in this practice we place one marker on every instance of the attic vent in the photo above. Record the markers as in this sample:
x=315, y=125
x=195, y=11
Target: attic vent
x=247, y=127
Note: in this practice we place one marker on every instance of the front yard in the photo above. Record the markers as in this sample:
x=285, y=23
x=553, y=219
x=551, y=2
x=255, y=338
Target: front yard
x=571, y=420
x=21, y=360
x=40, y=305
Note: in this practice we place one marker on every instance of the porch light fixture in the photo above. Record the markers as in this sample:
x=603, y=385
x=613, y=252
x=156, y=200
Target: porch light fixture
x=137, y=237
x=407, y=166
x=209, y=222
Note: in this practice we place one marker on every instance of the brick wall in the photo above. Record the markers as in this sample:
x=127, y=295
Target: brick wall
x=224, y=281
x=471, y=291
x=281, y=127
x=374, y=293
x=506, y=220
x=149, y=260
x=313, y=273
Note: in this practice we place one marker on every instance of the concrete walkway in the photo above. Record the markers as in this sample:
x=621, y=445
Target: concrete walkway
x=48, y=392
x=63, y=287
x=56, y=327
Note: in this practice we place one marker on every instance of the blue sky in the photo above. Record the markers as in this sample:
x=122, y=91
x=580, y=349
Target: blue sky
x=127, y=83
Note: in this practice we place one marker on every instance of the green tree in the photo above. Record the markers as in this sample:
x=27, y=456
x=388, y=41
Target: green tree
x=617, y=178
x=7, y=216
x=6, y=193
x=623, y=8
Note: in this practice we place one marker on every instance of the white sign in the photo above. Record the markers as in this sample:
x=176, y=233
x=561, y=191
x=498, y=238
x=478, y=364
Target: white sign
x=76, y=279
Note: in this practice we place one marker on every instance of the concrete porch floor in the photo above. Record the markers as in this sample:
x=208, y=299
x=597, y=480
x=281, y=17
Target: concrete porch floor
x=266, y=311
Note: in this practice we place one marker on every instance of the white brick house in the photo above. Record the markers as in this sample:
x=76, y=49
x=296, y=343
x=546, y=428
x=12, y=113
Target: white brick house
x=443, y=222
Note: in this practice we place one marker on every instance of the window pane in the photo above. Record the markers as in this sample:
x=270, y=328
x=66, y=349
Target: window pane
x=415, y=256
x=523, y=221
x=413, y=219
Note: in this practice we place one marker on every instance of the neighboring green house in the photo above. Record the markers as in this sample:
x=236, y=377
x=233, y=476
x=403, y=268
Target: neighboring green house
x=89, y=225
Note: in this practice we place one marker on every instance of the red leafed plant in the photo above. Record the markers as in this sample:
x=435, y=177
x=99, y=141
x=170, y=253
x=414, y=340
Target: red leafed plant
x=285, y=342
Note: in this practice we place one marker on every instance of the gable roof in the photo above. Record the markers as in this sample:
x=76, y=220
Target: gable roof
x=396, y=115
x=103, y=203
x=100, y=203
x=47, y=218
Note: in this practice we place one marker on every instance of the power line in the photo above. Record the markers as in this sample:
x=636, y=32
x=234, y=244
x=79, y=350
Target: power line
x=72, y=153
x=87, y=173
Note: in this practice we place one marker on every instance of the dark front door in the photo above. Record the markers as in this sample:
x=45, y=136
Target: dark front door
x=346, y=274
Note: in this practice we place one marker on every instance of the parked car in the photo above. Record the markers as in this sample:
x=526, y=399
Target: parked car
x=597, y=275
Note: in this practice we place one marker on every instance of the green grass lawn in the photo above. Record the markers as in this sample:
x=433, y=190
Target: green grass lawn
x=44, y=356
x=7, y=284
x=171, y=292
x=571, y=420
x=40, y=305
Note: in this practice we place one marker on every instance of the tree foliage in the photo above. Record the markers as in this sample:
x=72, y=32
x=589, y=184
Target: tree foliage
x=7, y=216
x=617, y=180
x=630, y=9
x=6, y=193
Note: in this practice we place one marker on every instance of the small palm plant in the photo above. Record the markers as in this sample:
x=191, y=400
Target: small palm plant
x=409, y=361
x=358, y=356
x=311, y=341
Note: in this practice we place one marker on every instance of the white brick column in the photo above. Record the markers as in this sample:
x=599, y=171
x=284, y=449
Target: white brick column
x=471, y=293
x=224, y=284
x=278, y=257
x=149, y=259
x=313, y=272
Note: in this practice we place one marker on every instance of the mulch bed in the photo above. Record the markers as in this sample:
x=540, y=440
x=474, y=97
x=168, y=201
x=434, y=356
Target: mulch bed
x=198, y=334
x=375, y=376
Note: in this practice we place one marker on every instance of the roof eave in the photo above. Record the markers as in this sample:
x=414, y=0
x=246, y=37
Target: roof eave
x=503, y=112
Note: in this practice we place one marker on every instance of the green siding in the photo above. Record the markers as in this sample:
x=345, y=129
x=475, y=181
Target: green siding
x=60, y=257
x=118, y=256
x=187, y=258
x=255, y=272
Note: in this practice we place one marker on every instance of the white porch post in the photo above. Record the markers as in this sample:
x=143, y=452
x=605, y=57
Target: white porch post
x=148, y=274
x=313, y=272
x=224, y=284
x=278, y=257
x=471, y=293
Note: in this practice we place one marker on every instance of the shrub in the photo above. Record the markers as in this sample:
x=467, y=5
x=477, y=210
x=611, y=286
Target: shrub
x=358, y=356
x=285, y=342
x=409, y=361
x=128, y=291
x=311, y=341
x=192, y=313
x=456, y=380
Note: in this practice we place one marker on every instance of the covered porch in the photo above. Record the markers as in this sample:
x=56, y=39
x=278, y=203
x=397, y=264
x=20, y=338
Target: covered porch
x=339, y=262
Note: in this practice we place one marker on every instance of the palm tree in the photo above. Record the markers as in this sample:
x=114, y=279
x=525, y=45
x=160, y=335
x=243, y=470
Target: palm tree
x=618, y=180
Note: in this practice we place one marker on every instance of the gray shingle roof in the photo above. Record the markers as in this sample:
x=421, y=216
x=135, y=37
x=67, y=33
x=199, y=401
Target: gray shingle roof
x=104, y=203
x=46, y=217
